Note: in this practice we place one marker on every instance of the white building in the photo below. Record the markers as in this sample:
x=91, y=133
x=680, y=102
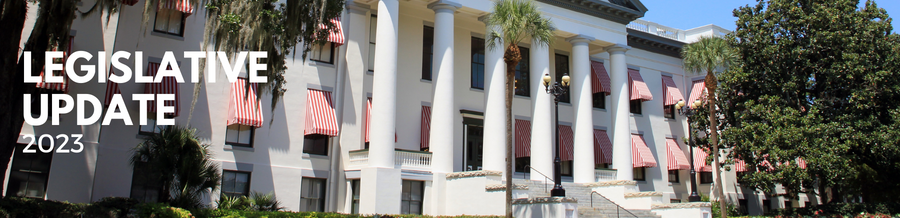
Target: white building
x=437, y=114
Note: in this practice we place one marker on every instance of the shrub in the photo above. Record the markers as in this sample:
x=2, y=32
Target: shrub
x=28, y=207
x=111, y=207
x=160, y=210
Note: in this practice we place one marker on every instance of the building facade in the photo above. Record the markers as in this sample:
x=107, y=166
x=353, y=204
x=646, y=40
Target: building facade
x=406, y=98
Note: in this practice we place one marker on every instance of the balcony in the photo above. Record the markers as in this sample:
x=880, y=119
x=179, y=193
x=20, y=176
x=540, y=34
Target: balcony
x=655, y=28
x=603, y=175
x=403, y=159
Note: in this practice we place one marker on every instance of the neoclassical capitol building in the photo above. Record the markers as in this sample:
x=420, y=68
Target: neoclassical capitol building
x=403, y=111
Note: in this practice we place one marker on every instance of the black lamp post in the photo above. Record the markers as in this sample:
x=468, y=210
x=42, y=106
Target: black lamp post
x=557, y=89
x=687, y=112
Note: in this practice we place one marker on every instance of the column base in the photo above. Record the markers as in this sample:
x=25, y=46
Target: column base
x=380, y=190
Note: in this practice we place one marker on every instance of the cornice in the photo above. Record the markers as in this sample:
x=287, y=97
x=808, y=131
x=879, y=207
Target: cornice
x=654, y=43
x=602, y=9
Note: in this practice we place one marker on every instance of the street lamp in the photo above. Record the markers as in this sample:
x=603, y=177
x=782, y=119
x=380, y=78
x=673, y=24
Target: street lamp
x=687, y=112
x=557, y=89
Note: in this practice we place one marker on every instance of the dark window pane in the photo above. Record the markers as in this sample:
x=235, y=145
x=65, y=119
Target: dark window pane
x=411, y=197
x=669, y=111
x=239, y=135
x=235, y=183
x=522, y=86
x=673, y=176
x=706, y=177
x=599, y=100
x=28, y=173
x=522, y=164
x=635, y=106
x=477, y=63
x=312, y=196
x=562, y=68
x=639, y=174
x=315, y=144
x=427, y=52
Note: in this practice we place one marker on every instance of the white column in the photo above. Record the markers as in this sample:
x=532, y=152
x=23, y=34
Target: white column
x=542, y=114
x=443, y=103
x=582, y=101
x=494, y=106
x=620, y=112
x=380, y=181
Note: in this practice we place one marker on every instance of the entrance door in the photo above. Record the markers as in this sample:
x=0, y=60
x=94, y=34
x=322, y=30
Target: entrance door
x=474, y=147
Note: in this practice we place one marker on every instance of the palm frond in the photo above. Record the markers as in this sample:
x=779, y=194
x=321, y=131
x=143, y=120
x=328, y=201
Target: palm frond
x=708, y=54
x=514, y=21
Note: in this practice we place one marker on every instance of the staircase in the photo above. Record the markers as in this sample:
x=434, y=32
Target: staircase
x=601, y=206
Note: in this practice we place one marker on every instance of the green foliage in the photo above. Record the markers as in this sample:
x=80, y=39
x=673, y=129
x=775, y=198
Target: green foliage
x=111, y=207
x=29, y=207
x=818, y=82
x=716, y=211
x=161, y=210
x=256, y=202
x=842, y=209
x=518, y=20
x=182, y=163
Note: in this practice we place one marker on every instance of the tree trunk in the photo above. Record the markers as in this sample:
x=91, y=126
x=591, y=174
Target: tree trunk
x=11, y=80
x=711, y=84
x=511, y=57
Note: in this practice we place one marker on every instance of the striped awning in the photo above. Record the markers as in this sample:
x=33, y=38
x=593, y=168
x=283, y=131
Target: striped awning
x=63, y=85
x=426, y=126
x=641, y=156
x=179, y=5
x=335, y=36
x=244, y=109
x=600, y=81
x=129, y=2
x=111, y=89
x=698, y=88
x=369, y=119
x=523, y=138
x=700, y=164
x=320, y=118
x=168, y=85
x=639, y=89
x=740, y=165
x=670, y=91
x=675, y=156
x=566, y=143
x=801, y=163
x=602, y=147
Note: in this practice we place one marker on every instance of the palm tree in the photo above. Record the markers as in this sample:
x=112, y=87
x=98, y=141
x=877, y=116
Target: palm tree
x=181, y=162
x=710, y=54
x=512, y=22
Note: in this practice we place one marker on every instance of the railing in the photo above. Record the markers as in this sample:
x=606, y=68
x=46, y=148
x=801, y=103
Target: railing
x=656, y=29
x=605, y=175
x=667, y=32
x=618, y=207
x=546, y=178
x=641, y=25
x=405, y=159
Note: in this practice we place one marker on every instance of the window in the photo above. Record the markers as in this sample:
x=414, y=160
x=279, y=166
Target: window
x=566, y=168
x=28, y=173
x=169, y=21
x=312, y=195
x=322, y=53
x=522, y=86
x=674, y=201
x=787, y=204
x=239, y=135
x=151, y=127
x=522, y=164
x=599, y=100
x=477, y=63
x=766, y=205
x=639, y=174
x=411, y=202
x=673, y=176
x=235, y=183
x=601, y=166
x=706, y=177
x=636, y=106
x=354, y=207
x=427, y=52
x=669, y=111
x=373, y=25
x=315, y=144
x=562, y=68
x=743, y=206
x=145, y=187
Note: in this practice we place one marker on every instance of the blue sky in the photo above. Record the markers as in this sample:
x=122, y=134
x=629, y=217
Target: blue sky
x=687, y=14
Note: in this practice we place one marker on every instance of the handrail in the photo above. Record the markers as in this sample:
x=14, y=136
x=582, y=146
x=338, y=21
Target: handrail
x=539, y=172
x=618, y=207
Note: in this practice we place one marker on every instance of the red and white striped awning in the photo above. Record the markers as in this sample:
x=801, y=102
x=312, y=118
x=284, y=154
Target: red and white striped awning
x=244, y=109
x=602, y=147
x=600, y=81
x=566, y=143
x=179, y=5
x=58, y=86
x=639, y=89
x=111, y=89
x=523, y=138
x=801, y=163
x=335, y=36
x=740, y=165
x=700, y=164
x=168, y=85
x=426, y=126
x=320, y=118
x=129, y=2
x=670, y=91
x=676, y=158
x=641, y=156
x=369, y=119
x=698, y=88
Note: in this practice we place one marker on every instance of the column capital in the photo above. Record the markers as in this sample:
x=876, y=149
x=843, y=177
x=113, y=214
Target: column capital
x=358, y=8
x=444, y=6
x=618, y=48
x=578, y=39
